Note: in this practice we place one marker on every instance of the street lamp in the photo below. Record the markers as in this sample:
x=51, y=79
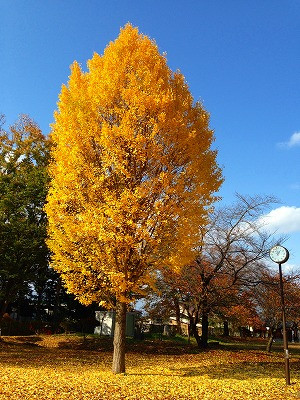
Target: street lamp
x=280, y=255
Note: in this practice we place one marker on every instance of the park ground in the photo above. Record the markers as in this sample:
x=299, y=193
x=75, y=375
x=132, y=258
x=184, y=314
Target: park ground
x=73, y=367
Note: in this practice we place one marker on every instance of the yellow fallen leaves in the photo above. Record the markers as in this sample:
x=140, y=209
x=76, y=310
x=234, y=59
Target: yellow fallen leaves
x=35, y=372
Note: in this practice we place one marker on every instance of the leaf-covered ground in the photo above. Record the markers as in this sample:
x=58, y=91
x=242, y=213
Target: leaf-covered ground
x=68, y=368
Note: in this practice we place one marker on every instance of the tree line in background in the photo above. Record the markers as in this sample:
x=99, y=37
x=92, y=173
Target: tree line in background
x=29, y=288
x=128, y=180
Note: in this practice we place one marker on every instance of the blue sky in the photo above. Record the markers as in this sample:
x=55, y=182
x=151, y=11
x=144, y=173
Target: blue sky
x=240, y=58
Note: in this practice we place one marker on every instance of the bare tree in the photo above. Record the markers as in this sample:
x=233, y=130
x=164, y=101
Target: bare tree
x=228, y=259
x=266, y=296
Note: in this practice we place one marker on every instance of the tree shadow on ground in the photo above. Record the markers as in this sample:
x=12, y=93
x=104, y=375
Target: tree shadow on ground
x=132, y=346
x=20, y=340
x=241, y=370
x=84, y=343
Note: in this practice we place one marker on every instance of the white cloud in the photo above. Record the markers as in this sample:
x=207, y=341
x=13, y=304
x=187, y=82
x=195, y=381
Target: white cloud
x=295, y=186
x=293, y=141
x=291, y=267
x=282, y=220
x=288, y=267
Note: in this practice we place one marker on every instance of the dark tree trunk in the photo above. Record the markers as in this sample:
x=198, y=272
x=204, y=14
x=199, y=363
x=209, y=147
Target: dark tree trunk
x=204, y=317
x=8, y=296
x=270, y=342
x=118, y=365
x=204, y=337
x=39, y=304
x=226, y=328
x=56, y=310
x=295, y=334
x=177, y=310
x=4, y=307
x=194, y=330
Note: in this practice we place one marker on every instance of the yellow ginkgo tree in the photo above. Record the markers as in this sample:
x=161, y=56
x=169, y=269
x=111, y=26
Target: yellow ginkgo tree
x=133, y=175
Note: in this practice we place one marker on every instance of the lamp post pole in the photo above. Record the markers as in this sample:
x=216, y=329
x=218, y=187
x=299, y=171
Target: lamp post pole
x=280, y=255
x=285, y=341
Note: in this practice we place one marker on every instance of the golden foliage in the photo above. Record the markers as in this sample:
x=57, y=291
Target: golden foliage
x=33, y=372
x=133, y=173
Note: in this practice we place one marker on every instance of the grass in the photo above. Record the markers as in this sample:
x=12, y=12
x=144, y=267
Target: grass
x=75, y=368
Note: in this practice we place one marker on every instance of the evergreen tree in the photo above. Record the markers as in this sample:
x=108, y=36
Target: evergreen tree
x=24, y=154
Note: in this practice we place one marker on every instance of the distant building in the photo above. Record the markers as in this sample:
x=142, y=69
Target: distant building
x=107, y=323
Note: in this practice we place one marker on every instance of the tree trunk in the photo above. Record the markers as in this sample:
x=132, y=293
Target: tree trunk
x=56, y=310
x=189, y=333
x=118, y=365
x=4, y=307
x=177, y=310
x=270, y=342
x=226, y=328
x=39, y=304
x=204, y=337
x=194, y=330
